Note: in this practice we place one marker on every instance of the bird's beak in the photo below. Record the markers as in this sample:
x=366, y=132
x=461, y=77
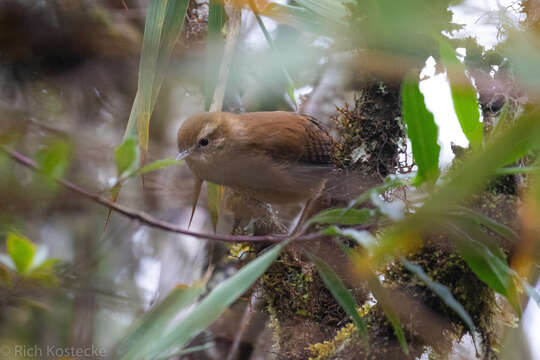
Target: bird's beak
x=182, y=155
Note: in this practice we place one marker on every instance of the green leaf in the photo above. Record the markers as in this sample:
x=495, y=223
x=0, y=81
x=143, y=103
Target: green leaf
x=379, y=292
x=159, y=164
x=421, y=130
x=489, y=268
x=54, y=159
x=213, y=305
x=342, y=295
x=342, y=216
x=445, y=294
x=126, y=156
x=463, y=95
x=21, y=250
x=152, y=325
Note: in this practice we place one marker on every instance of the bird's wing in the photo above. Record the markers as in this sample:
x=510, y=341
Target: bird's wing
x=288, y=136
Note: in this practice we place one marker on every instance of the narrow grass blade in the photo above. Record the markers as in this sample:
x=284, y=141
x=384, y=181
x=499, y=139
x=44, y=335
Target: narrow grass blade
x=214, y=304
x=214, y=49
x=296, y=16
x=379, y=292
x=153, y=324
x=215, y=195
x=332, y=9
x=343, y=216
x=481, y=219
x=164, y=20
x=445, y=294
x=489, y=267
x=342, y=295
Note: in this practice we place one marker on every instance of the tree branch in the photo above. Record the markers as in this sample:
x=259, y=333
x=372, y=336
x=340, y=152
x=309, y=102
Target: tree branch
x=147, y=219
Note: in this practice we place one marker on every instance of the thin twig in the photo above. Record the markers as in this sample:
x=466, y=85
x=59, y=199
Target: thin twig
x=244, y=324
x=148, y=219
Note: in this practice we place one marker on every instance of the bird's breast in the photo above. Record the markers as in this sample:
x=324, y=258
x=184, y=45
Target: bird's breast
x=261, y=177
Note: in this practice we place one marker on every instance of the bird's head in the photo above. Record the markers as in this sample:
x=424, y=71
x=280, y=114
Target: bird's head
x=201, y=136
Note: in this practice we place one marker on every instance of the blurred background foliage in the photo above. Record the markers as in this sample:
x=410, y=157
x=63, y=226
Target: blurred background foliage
x=422, y=256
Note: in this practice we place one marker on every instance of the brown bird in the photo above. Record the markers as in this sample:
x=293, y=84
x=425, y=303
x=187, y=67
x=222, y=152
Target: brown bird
x=274, y=157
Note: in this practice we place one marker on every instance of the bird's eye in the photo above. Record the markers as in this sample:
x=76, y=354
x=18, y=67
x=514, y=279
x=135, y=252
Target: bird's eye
x=203, y=141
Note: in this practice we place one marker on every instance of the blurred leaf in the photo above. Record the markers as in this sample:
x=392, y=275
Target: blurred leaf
x=189, y=350
x=159, y=164
x=5, y=275
x=342, y=216
x=213, y=305
x=290, y=83
x=153, y=324
x=331, y=9
x=215, y=195
x=502, y=120
x=489, y=223
x=445, y=294
x=463, y=95
x=115, y=192
x=215, y=43
x=342, y=295
x=54, y=159
x=489, y=268
x=475, y=172
x=7, y=262
x=379, y=292
x=45, y=273
x=513, y=170
x=21, y=250
x=362, y=237
x=532, y=292
x=126, y=156
x=299, y=17
x=523, y=53
x=421, y=130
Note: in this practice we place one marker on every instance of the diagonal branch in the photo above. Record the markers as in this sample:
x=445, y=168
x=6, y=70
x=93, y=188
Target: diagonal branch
x=147, y=219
